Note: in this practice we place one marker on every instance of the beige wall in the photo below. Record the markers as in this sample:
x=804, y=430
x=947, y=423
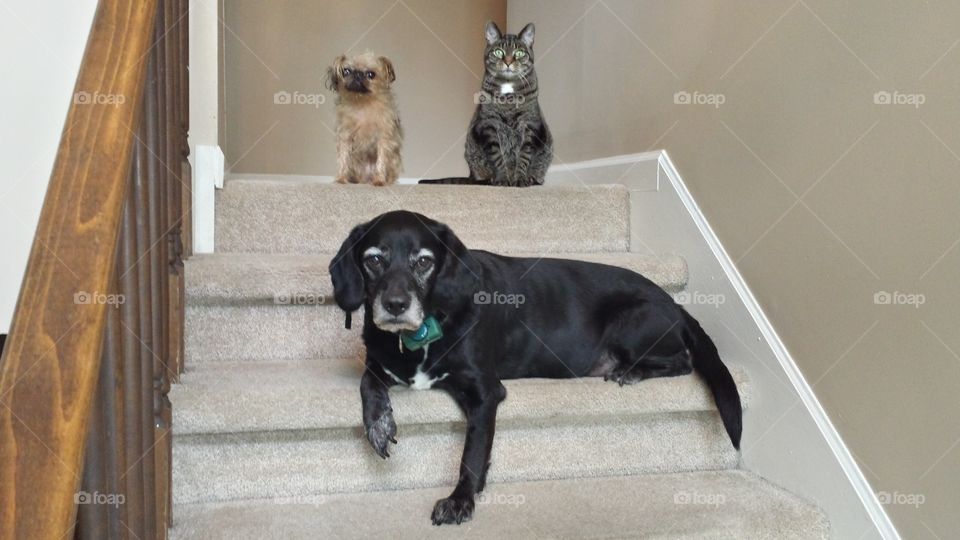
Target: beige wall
x=272, y=46
x=879, y=190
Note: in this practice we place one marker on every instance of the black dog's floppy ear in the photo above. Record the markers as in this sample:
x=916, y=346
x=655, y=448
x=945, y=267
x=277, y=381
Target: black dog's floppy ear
x=348, y=289
x=458, y=277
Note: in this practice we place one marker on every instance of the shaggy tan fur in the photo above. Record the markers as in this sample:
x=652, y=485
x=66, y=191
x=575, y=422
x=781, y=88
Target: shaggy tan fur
x=369, y=137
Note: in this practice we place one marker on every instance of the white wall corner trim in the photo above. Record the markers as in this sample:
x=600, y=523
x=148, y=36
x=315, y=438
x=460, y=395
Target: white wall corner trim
x=207, y=177
x=846, y=460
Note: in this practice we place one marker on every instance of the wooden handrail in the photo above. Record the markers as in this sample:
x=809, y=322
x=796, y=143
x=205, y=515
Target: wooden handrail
x=109, y=227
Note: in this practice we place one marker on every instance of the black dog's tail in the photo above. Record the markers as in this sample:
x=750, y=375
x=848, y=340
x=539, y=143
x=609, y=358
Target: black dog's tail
x=460, y=180
x=706, y=361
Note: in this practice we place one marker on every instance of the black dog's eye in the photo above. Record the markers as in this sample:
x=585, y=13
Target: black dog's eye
x=346, y=72
x=371, y=75
x=424, y=263
x=374, y=262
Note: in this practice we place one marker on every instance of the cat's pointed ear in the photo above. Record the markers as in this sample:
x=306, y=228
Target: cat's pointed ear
x=526, y=35
x=493, y=33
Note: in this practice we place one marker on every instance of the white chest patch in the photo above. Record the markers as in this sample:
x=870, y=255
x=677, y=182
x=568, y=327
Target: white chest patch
x=422, y=381
x=506, y=88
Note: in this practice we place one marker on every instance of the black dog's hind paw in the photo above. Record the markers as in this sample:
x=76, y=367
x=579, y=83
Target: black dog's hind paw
x=381, y=433
x=623, y=376
x=453, y=510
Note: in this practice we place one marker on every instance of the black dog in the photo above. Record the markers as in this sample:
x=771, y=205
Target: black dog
x=472, y=318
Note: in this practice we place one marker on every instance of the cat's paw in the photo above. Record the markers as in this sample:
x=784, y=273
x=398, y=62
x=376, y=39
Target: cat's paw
x=342, y=179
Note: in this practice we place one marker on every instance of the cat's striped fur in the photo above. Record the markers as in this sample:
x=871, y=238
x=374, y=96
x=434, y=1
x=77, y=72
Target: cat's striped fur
x=509, y=143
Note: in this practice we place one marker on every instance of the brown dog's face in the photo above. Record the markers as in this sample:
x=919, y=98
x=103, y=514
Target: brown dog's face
x=360, y=75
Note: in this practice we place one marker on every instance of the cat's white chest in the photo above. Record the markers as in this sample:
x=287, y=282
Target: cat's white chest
x=506, y=88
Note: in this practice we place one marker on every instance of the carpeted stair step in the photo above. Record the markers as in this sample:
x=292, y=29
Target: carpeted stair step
x=696, y=505
x=293, y=216
x=251, y=307
x=286, y=430
x=253, y=278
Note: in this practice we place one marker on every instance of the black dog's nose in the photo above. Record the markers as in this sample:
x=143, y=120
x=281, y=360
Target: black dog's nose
x=397, y=304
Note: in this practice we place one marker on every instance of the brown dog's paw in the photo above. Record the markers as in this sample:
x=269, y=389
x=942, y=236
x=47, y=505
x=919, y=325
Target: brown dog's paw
x=453, y=509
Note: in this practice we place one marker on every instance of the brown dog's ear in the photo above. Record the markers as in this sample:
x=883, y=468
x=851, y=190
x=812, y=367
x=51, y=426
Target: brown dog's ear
x=388, y=71
x=335, y=73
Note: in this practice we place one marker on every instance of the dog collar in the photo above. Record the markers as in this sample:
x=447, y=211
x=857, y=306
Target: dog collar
x=428, y=332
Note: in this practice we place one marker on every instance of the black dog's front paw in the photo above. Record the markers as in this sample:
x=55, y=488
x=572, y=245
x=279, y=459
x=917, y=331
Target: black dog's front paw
x=452, y=510
x=381, y=433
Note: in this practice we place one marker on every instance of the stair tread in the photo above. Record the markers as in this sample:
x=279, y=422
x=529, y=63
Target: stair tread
x=702, y=505
x=271, y=278
x=290, y=216
x=324, y=394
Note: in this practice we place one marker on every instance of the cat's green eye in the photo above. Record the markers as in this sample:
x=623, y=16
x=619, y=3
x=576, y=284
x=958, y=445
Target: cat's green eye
x=519, y=54
x=498, y=53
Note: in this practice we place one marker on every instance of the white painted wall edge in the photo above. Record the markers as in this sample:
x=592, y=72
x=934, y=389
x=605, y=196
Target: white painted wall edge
x=208, y=163
x=840, y=451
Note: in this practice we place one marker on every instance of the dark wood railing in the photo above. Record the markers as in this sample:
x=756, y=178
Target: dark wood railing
x=97, y=338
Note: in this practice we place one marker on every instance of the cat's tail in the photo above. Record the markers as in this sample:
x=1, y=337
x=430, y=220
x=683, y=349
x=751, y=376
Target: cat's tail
x=459, y=180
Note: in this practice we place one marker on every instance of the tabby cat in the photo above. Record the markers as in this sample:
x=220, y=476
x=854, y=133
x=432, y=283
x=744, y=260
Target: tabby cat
x=509, y=143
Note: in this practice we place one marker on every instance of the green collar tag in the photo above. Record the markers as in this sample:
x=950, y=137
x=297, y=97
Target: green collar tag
x=428, y=332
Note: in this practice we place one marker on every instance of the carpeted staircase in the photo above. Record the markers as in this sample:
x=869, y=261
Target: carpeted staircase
x=268, y=440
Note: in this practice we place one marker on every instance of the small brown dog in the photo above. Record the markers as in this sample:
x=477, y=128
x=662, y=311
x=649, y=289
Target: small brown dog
x=368, y=126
